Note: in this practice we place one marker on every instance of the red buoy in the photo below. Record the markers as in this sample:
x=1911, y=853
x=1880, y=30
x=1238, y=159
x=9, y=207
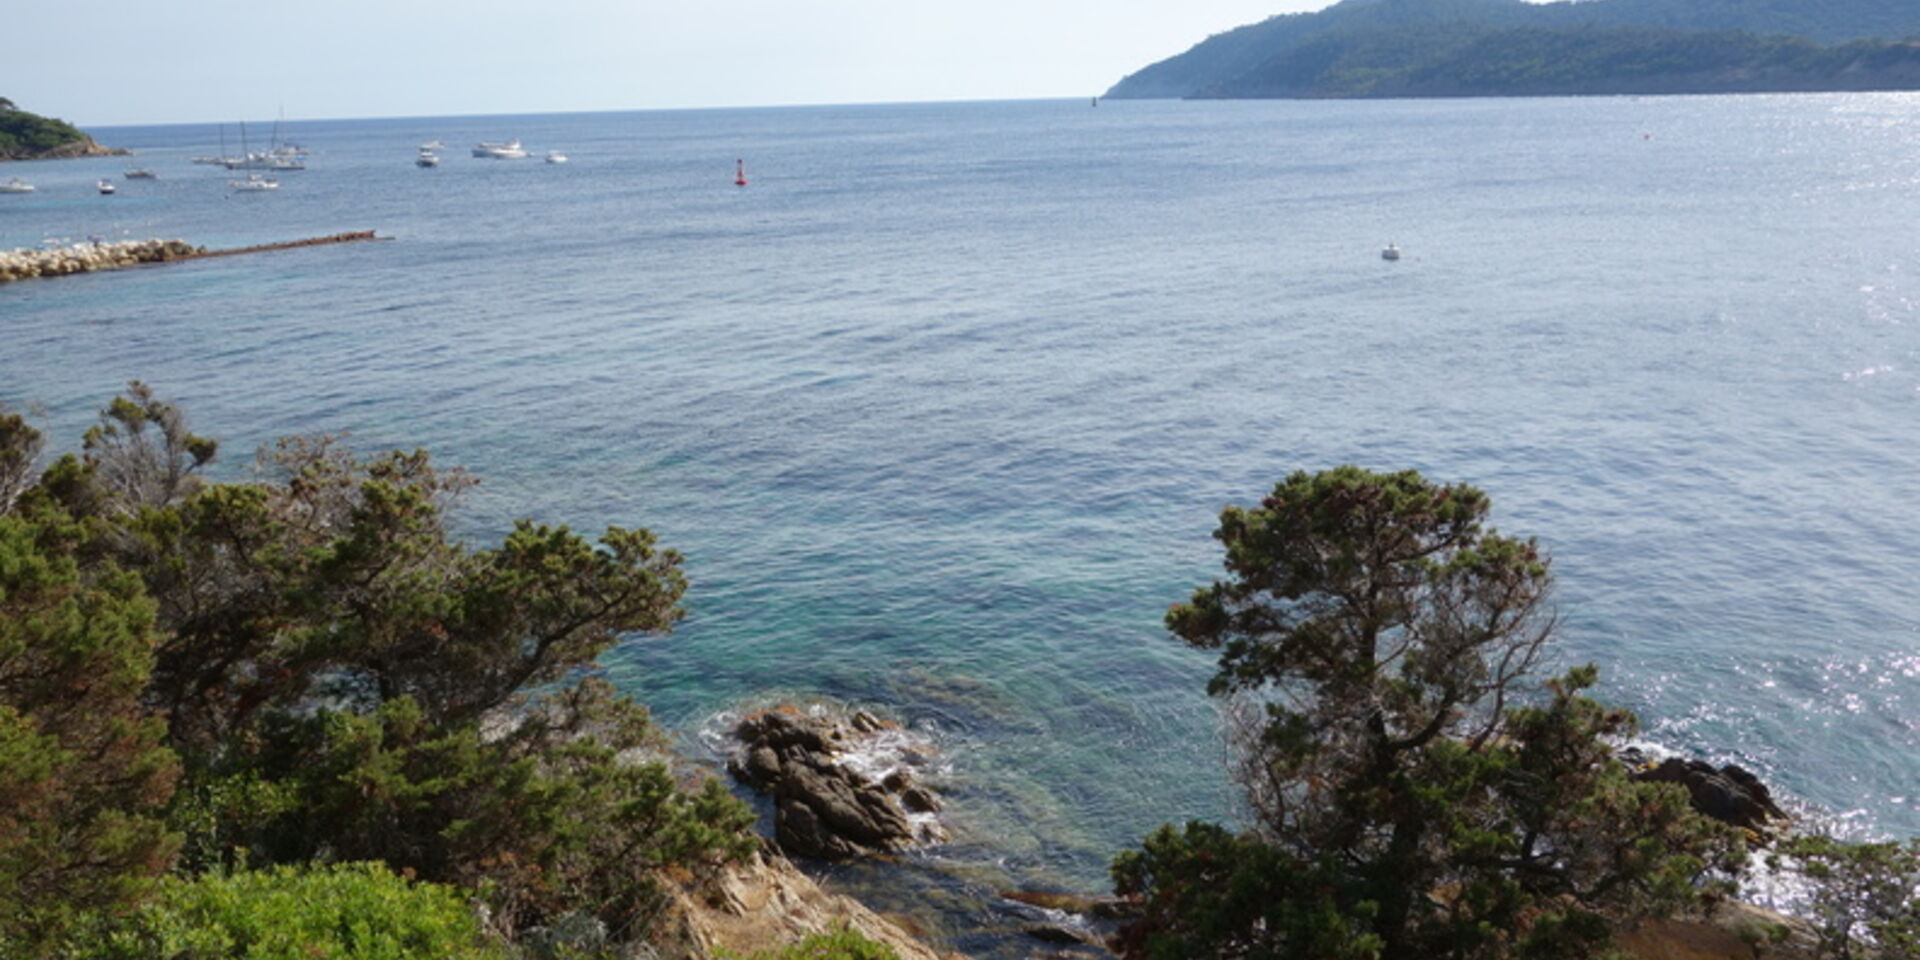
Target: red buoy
x=739, y=173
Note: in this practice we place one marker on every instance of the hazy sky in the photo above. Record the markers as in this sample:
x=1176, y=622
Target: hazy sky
x=102, y=62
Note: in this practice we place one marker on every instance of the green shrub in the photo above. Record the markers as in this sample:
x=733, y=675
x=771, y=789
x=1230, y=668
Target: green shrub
x=351, y=911
x=845, y=943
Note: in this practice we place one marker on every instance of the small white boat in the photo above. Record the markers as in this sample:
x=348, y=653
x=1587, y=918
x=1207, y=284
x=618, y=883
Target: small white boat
x=555, y=156
x=433, y=145
x=1390, y=253
x=427, y=158
x=142, y=174
x=254, y=183
x=106, y=187
x=499, y=150
x=16, y=185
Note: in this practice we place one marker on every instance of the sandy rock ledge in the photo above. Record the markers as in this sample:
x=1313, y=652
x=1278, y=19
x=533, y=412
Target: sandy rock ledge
x=767, y=903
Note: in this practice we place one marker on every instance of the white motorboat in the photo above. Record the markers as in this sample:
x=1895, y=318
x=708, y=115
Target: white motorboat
x=106, y=187
x=497, y=150
x=427, y=158
x=16, y=185
x=254, y=183
x=1390, y=253
x=555, y=156
x=433, y=145
x=142, y=174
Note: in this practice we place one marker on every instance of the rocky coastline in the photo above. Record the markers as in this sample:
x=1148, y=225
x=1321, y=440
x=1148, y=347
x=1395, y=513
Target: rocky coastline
x=848, y=788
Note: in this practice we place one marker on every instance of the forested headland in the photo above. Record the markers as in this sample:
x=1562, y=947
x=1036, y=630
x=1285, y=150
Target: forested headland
x=1443, y=48
x=30, y=136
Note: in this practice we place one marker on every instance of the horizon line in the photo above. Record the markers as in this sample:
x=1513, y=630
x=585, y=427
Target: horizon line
x=821, y=104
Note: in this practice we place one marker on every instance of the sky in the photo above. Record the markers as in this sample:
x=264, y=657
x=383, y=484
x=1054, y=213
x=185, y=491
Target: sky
x=114, y=62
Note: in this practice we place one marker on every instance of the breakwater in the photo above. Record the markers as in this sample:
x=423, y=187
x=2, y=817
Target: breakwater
x=27, y=264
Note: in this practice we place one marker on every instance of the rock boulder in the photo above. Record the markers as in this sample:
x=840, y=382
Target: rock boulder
x=823, y=807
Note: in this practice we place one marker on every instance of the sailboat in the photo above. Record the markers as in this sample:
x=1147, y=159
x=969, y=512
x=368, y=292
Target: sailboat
x=221, y=160
x=254, y=182
x=275, y=158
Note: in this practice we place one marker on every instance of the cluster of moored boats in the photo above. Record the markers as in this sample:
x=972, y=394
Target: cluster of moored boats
x=484, y=150
x=103, y=185
x=259, y=166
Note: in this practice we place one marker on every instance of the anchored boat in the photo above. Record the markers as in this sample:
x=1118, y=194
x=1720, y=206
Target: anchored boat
x=498, y=150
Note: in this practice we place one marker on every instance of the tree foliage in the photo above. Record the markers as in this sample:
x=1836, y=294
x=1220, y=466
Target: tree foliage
x=83, y=772
x=1865, y=896
x=1417, y=789
x=24, y=134
x=337, y=676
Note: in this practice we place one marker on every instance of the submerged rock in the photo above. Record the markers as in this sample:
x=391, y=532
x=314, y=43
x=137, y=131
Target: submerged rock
x=824, y=808
x=1097, y=908
x=1061, y=934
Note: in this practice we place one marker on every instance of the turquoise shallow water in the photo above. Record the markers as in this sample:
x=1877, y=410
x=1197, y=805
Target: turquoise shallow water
x=942, y=407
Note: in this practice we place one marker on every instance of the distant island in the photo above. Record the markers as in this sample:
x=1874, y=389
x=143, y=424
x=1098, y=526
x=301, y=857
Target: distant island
x=29, y=136
x=1468, y=48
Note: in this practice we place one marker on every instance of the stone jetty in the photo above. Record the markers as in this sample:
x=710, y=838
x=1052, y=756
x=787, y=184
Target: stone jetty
x=88, y=257
x=26, y=264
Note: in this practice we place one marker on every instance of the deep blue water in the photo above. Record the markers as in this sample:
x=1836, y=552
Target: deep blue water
x=942, y=407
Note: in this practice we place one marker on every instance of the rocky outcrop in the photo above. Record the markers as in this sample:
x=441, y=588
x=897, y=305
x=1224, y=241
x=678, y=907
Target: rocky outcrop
x=765, y=904
x=1729, y=794
x=824, y=806
x=1737, y=931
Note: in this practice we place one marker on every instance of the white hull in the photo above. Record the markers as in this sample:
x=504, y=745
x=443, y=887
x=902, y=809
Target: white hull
x=510, y=150
x=258, y=162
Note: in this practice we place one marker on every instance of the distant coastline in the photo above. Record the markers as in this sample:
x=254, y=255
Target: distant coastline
x=1505, y=48
x=30, y=136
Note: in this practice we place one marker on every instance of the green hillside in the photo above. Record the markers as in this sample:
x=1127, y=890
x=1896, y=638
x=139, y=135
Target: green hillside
x=29, y=136
x=1362, y=48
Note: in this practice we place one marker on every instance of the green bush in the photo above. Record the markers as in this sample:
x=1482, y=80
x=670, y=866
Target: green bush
x=352, y=911
x=842, y=944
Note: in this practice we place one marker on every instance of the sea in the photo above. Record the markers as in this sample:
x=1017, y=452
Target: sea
x=942, y=407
